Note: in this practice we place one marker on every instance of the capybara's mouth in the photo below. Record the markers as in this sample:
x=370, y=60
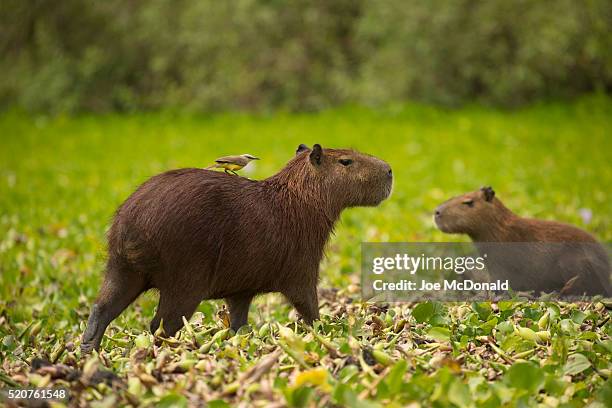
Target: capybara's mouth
x=388, y=188
x=382, y=192
x=440, y=222
x=385, y=192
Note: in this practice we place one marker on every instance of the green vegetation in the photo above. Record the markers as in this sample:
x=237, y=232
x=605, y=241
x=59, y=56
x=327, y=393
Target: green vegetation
x=61, y=179
x=74, y=56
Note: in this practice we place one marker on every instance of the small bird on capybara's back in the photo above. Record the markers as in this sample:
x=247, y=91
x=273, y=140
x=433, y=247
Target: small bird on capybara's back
x=533, y=255
x=196, y=234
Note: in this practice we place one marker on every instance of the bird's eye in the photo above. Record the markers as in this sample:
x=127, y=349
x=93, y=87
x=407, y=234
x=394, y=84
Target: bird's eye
x=469, y=203
x=345, y=162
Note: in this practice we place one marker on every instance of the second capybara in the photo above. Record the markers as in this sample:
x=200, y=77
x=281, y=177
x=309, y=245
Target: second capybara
x=196, y=234
x=539, y=255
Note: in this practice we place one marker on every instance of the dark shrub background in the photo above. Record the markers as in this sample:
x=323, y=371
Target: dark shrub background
x=206, y=55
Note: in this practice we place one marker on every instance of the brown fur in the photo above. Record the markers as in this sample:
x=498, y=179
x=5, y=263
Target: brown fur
x=196, y=234
x=485, y=219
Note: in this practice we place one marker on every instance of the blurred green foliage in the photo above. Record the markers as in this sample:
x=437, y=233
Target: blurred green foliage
x=302, y=55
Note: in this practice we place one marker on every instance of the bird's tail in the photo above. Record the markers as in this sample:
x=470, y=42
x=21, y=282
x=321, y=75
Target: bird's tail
x=211, y=167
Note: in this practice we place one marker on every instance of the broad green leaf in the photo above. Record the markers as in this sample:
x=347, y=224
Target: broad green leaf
x=576, y=363
x=505, y=327
x=172, y=401
x=483, y=309
x=423, y=312
x=487, y=326
x=506, y=305
x=525, y=376
x=439, y=333
x=218, y=404
x=578, y=316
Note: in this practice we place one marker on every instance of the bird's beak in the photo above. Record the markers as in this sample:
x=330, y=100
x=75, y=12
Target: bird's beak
x=256, y=158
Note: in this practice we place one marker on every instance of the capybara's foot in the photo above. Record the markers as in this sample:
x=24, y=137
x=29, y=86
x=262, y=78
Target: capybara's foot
x=86, y=348
x=93, y=333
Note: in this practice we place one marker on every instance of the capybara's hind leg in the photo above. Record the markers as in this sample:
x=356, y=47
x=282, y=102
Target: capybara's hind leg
x=239, y=310
x=120, y=288
x=306, y=302
x=172, y=307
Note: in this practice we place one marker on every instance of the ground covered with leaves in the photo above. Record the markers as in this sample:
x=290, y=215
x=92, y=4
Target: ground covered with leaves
x=61, y=179
x=359, y=354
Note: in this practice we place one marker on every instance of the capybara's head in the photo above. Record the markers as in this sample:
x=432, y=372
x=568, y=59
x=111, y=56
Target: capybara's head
x=344, y=177
x=468, y=213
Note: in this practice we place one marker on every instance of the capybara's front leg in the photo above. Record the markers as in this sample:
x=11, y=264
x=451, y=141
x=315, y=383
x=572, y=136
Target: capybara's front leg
x=239, y=310
x=173, y=306
x=583, y=275
x=306, y=302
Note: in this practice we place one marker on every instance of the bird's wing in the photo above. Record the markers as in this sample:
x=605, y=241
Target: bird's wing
x=232, y=160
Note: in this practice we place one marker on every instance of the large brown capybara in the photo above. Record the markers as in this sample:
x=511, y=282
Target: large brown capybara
x=196, y=234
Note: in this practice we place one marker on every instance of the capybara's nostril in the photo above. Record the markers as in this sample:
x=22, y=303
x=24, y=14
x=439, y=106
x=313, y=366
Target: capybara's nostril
x=390, y=172
x=438, y=213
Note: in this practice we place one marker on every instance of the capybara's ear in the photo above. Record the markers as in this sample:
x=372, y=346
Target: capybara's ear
x=301, y=148
x=488, y=193
x=316, y=154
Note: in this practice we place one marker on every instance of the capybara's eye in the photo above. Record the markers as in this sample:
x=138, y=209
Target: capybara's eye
x=345, y=162
x=469, y=203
